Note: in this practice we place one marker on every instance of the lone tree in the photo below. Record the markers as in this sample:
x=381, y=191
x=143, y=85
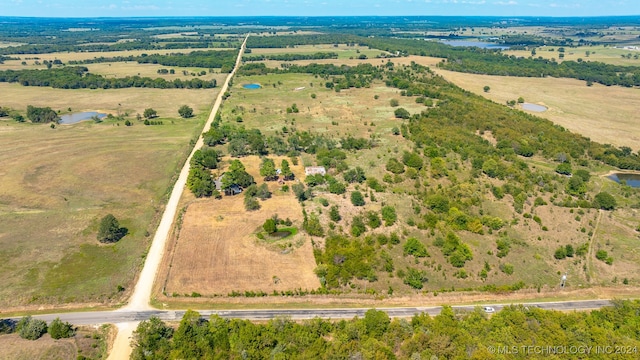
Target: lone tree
x=150, y=113
x=286, y=170
x=185, y=111
x=604, y=201
x=268, y=170
x=110, y=230
x=357, y=199
x=486, y=88
x=270, y=226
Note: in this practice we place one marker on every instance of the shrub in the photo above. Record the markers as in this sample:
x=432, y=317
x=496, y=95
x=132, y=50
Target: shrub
x=357, y=226
x=506, y=268
x=602, y=255
x=604, y=201
x=251, y=203
x=389, y=215
x=560, y=253
x=60, y=330
x=357, y=199
x=564, y=168
x=373, y=220
x=402, y=113
x=414, y=247
x=394, y=166
x=415, y=278
x=312, y=226
x=30, y=328
x=334, y=214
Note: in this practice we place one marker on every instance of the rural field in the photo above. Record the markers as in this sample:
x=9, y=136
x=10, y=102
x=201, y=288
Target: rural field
x=58, y=183
x=605, y=54
x=217, y=251
x=344, y=51
x=365, y=112
x=607, y=114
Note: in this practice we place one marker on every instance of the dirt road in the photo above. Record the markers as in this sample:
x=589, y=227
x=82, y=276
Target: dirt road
x=142, y=292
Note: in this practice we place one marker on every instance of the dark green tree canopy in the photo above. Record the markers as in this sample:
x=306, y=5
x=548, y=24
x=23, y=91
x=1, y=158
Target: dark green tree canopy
x=185, y=111
x=109, y=230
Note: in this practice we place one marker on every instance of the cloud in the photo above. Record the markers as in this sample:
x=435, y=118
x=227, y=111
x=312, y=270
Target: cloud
x=506, y=3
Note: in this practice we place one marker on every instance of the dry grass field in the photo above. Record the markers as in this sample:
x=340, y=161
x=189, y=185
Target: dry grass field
x=608, y=55
x=67, y=56
x=132, y=100
x=343, y=51
x=123, y=69
x=604, y=114
x=57, y=184
x=217, y=250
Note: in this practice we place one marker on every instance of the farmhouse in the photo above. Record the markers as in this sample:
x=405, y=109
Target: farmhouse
x=233, y=190
x=314, y=170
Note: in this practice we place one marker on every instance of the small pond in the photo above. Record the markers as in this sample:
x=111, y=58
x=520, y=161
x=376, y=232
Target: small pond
x=252, y=86
x=533, y=107
x=632, y=180
x=480, y=44
x=81, y=116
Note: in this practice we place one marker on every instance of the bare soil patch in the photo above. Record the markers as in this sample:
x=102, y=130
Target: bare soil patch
x=217, y=251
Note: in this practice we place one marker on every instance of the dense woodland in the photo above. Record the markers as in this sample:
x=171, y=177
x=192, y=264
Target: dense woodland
x=516, y=332
x=224, y=59
x=79, y=77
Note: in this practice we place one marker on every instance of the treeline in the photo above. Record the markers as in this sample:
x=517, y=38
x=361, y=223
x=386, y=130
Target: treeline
x=78, y=77
x=121, y=46
x=285, y=41
x=590, y=71
x=522, y=331
x=206, y=59
x=292, y=57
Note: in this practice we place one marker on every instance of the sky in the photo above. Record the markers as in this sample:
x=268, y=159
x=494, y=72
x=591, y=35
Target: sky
x=127, y=8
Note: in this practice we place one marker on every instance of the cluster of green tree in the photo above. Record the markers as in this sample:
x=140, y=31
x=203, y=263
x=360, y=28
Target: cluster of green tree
x=528, y=40
x=449, y=335
x=206, y=59
x=344, y=259
x=199, y=180
x=78, y=77
x=32, y=329
x=342, y=77
x=285, y=41
x=41, y=115
x=120, y=46
x=498, y=64
x=236, y=176
x=292, y=57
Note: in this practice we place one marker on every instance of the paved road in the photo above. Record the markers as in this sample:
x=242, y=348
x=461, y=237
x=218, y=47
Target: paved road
x=125, y=316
